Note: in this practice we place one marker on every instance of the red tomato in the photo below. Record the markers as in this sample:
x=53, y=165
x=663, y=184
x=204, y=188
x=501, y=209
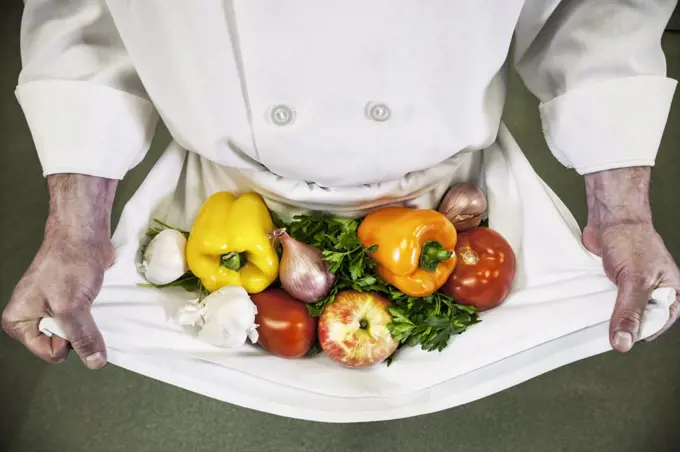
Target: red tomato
x=285, y=327
x=485, y=269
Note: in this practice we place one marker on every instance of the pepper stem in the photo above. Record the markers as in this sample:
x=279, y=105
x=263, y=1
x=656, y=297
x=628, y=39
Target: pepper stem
x=234, y=261
x=432, y=254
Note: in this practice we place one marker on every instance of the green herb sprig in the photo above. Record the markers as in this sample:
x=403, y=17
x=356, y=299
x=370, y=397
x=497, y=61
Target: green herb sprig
x=153, y=231
x=188, y=282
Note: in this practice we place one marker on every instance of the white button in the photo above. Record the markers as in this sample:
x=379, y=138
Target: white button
x=282, y=115
x=378, y=112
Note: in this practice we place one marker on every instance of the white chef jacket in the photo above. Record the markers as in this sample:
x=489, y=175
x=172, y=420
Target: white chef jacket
x=338, y=93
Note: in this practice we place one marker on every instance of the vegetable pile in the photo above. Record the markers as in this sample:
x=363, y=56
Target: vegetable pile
x=358, y=288
x=427, y=321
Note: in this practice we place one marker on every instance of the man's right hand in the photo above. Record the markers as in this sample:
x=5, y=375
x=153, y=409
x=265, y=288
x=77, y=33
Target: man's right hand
x=67, y=272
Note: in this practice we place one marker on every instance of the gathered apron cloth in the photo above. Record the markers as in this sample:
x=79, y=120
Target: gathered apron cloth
x=557, y=313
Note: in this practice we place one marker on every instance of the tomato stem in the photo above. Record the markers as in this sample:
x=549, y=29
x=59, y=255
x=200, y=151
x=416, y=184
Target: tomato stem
x=469, y=257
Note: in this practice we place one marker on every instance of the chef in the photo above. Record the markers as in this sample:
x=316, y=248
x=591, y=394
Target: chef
x=338, y=95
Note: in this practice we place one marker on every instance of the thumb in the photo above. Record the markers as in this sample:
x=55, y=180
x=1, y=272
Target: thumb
x=85, y=338
x=631, y=302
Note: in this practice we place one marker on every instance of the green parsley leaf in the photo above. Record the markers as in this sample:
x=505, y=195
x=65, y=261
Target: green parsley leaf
x=153, y=231
x=188, y=282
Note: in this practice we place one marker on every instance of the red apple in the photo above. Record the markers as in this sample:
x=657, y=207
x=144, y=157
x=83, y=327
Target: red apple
x=353, y=329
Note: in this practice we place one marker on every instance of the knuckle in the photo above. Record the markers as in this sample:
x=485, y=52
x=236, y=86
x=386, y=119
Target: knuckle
x=649, y=280
x=85, y=344
x=65, y=308
x=636, y=280
x=81, y=292
x=628, y=319
x=7, y=321
x=76, y=301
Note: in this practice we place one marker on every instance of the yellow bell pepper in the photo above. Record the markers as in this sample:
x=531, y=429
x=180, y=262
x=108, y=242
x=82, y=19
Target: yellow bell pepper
x=228, y=244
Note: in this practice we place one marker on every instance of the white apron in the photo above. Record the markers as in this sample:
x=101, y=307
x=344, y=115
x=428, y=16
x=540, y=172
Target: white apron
x=557, y=313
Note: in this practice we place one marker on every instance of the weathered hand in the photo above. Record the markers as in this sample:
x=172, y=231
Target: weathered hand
x=67, y=273
x=633, y=254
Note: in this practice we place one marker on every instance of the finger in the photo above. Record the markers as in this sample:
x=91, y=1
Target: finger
x=673, y=281
x=37, y=343
x=44, y=348
x=60, y=345
x=631, y=302
x=85, y=338
x=674, y=312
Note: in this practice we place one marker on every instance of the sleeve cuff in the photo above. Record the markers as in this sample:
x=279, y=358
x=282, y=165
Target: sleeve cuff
x=609, y=125
x=86, y=128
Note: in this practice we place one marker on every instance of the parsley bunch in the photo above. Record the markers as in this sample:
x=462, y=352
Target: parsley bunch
x=429, y=322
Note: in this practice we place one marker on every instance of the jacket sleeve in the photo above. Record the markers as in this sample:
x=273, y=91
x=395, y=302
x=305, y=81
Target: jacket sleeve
x=599, y=71
x=85, y=106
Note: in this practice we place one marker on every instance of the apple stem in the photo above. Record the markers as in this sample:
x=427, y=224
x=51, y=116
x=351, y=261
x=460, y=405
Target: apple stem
x=363, y=324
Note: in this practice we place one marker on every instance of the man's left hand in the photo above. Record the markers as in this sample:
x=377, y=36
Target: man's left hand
x=633, y=254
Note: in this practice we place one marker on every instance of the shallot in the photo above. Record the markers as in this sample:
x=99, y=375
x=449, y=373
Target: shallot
x=303, y=272
x=464, y=205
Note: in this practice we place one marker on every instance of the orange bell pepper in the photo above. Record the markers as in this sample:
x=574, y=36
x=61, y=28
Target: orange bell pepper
x=415, y=248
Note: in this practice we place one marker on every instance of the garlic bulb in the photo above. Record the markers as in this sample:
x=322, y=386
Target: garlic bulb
x=303, y=271
x=164, y=259
x=464, y=204
x=226, y=317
